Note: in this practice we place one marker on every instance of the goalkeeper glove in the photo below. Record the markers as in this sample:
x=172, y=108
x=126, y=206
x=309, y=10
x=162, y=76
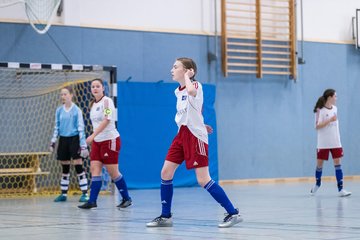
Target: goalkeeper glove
x=52, y=146
x=84, y=152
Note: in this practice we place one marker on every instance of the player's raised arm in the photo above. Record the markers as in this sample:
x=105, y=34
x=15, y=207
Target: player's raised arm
x=190, y=87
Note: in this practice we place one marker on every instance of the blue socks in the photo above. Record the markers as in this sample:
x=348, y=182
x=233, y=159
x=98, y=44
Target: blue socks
x=339, y=177
x=95, y=188
x=166, y=192
x=121, y=186
x=220, y=196
x=318, y=174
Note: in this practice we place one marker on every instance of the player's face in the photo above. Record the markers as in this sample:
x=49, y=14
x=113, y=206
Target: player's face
x=178, y=71
x=97, y=89
x=333, y=99
x=65, y=96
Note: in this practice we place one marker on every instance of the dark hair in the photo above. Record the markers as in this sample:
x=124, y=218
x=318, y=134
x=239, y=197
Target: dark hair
x=102, y=83
x=322, y=100
x=188, y=64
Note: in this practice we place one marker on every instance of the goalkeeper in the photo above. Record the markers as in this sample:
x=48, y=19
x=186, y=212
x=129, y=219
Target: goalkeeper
x=69, y=125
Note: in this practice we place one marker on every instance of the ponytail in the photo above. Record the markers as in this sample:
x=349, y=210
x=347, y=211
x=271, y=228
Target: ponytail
x=319, y=104
x=322, y=100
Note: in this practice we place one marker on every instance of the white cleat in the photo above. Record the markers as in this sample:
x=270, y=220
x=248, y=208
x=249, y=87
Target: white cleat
x=160, y=222
x=231, y=220
x=344, y=193
x=314, y=190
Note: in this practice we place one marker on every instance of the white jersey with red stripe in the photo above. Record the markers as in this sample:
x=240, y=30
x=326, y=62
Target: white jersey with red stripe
x=329, y=136
x=104, y=109
x=189, y=111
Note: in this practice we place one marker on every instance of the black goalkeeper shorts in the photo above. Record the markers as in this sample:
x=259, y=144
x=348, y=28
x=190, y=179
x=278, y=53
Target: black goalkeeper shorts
x=69, y=148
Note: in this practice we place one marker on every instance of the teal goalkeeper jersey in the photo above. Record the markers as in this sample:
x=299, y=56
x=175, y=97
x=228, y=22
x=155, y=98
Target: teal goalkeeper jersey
x=69, y=123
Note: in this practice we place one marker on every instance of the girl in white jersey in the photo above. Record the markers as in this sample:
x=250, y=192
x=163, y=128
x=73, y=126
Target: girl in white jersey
x=105, y=147
x=191, y=145
x=69, y=127
x=328, y=139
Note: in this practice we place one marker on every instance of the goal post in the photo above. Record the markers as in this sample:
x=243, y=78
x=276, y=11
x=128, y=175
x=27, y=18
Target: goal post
x=29, y=96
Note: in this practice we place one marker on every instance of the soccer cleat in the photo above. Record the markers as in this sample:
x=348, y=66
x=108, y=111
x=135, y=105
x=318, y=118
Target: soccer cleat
x=88, y=205
x=344, y=193
x=60, y=198
x=230, y=220
x=125, y=203
x=160, y=222
x=84, y=198
x=314, y=189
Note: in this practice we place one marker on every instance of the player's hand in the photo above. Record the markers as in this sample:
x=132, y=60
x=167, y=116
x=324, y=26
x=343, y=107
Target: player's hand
x=209, y=129
x=189, y=73
x=90, y=139
x=84, y=152
x=52, y=146
x=333, y=118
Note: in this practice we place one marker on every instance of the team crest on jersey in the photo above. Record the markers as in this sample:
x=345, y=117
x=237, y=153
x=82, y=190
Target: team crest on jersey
x=183, y=98
x=98, y=109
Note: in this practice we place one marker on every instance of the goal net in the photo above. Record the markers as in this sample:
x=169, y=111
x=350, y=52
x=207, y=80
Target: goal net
x=40, y=13
x=29, y=96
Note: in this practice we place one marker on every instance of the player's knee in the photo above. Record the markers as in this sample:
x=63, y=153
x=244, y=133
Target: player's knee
x=114, y=174
x=95, y=170
x=337, y=161
x=77, y=161
x=166, y=174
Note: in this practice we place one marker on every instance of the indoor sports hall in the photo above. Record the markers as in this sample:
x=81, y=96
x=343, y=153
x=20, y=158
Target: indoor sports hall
x=274, y=76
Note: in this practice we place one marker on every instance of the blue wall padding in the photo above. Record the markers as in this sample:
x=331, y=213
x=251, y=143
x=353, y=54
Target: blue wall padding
x=146, y=113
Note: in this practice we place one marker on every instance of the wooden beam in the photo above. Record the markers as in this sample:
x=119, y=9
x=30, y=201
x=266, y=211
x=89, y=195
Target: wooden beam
x=240, y=17
x=23, y=174
x=241, y=51
x=276, y=59
x=274, y=26
x=241, y=24
x=275, y=13
x=276, y=73
x=16, y=170
x=242, y=58
x=273, y=6
x=275, y=46
x=253, y=37
x=240, y=10
x=241, y=71
x=293, y=39
x=275, y=33
x=241, y=44
x=242, y=64
x=223, y=38
x=276, y=66
x=276, y=53
x=275, y=20
x=258, y=39
x=241, y=3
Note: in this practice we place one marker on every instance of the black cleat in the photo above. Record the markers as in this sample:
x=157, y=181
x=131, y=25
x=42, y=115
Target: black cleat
x=88, y=205
x=125, y=203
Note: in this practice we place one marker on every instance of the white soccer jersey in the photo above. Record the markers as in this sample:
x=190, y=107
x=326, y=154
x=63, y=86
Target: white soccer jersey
x=328, y=136
x=99, y=111
x=189, y=111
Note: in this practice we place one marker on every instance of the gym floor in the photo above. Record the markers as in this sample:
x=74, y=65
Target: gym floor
x=270, y=211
